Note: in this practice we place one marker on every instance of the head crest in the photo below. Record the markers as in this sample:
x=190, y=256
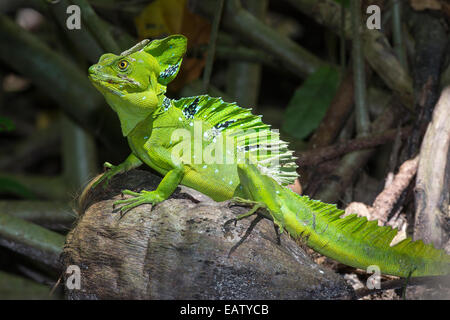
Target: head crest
x=168, y=52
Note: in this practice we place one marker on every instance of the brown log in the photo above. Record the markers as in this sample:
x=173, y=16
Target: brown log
x=179, y=249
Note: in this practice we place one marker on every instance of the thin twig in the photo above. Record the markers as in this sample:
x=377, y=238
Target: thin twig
x=320, y=155
x=97, y=28
x=343, y=40
x=289, y=53
x=337, y=114
x=361, y=112
x=377, y=49
x=400, y=283
x=397, y=33
x=244, y=77
x=212, y=45
x=333, y=186
x=79, y=155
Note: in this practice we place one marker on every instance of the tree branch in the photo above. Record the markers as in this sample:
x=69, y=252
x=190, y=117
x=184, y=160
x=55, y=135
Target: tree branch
x=320, y=155
x=379, y=54
x=31, y=240
x=433, y=176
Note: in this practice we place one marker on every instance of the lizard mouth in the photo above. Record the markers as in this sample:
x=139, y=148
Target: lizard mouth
x=112, y=82
x=104, y=79
x=106, y=83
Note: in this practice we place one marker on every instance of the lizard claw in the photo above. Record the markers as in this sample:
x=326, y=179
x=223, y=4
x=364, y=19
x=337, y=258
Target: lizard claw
x=137, y=199
x=225, y=225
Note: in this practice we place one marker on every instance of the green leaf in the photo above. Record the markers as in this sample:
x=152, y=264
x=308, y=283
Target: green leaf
x=13, y=187
x=310, y=102
x=6, y=124
x=345, y=3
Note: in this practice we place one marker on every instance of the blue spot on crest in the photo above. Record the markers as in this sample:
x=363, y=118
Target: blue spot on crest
x=224, y=125
x=166, y=103
x=170, y=71
x=190, y=110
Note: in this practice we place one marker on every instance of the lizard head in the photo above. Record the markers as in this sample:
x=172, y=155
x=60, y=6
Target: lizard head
x=134, y=82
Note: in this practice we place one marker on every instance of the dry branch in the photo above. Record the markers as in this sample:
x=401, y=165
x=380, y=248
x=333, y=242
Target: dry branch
x=50, y=214
x=320, y=155
x=31, y=240
x=290, y=54
x=333, y=186
x=385, y=201
x=433, y=176
x=430, y=35
x=378, y=52
x=337, y=114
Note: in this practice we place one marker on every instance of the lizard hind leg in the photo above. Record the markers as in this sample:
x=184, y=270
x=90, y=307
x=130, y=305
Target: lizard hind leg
x=252, y=211
x=241, y=201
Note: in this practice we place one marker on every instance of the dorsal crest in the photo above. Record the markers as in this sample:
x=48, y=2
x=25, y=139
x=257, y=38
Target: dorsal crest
x=253, y=137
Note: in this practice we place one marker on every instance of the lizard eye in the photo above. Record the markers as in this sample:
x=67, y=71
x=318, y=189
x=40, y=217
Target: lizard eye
x=123, y=65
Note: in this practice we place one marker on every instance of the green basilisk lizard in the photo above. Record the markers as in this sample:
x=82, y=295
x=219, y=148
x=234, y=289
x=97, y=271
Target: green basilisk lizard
x=226, y=152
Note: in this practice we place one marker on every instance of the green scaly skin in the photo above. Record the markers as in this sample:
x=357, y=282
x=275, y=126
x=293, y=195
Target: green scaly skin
x=134, y=84
x=352, y=240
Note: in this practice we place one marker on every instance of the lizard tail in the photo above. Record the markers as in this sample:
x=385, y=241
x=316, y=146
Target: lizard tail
x=360, y=243
x=352, y=240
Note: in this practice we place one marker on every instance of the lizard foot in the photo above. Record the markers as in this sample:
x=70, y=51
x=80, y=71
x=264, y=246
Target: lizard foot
x=246, y=235
x=256, y=206
x=152, y=197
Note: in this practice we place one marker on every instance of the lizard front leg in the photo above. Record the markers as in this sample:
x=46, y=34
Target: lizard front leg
x=130, y=163
x=166, y=187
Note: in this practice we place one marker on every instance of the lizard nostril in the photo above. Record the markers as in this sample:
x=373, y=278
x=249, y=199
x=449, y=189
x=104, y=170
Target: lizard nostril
x=93, y=69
